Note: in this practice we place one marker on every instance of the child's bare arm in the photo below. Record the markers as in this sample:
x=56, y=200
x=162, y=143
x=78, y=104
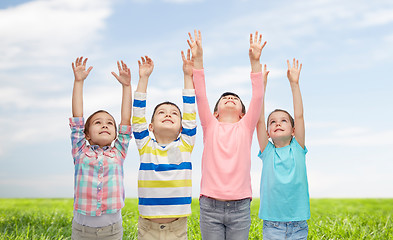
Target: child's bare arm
x=80, y=74
x=293, y=77
x=196, y=49
x=255, y=51
x=124, y=78
x=145, y=69
x=262, y=135
x=188, y=65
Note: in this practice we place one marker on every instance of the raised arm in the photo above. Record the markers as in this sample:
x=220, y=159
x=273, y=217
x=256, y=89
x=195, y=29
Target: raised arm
x=124, y=78
x=255, y=51
x=293, y=77
x=80, y=74
x=254, y=110
x=145, y=69
x=196, y=49
x=188, y=65
x=262, y=135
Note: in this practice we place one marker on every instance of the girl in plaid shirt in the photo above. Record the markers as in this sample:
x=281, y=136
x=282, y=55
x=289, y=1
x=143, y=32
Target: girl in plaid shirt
x=98, y=184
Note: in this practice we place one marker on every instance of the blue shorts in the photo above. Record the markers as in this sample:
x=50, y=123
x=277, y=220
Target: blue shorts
x=273, y=230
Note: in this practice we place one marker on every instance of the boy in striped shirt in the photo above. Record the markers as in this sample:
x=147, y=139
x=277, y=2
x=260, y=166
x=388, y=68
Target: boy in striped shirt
x=164, y=179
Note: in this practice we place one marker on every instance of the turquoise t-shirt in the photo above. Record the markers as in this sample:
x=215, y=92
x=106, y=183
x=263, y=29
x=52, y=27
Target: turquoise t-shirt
x=284, y=185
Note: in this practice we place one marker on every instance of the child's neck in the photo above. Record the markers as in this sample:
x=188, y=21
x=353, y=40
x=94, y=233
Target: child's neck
x=282, y=142
x=228, y=118
x=165, y=139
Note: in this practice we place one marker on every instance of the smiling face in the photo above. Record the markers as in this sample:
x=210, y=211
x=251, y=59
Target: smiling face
x=100, y=129
x=166, y=120
x=279, y=126
x=229, y=103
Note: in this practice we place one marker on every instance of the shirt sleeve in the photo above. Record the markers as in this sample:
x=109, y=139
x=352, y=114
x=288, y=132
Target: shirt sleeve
x=78, y=139
x=189, y=119
x=200, y=91
x=139, y=124
x=254, y=111
x=123, y=140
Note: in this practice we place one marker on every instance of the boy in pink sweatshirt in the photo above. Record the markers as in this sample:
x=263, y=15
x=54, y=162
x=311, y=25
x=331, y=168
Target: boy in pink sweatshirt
x=227, y=136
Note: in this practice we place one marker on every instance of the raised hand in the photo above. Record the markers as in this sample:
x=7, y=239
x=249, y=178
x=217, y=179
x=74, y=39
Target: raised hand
x=79, y=68
x=145, y=67
x=188, y=64
x=293, y=72
x=256, y=47
x=124, y=76
x=196, y=48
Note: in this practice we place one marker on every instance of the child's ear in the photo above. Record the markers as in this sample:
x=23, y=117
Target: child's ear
x=87, y=137
x=151, y=127
x=215, y=114
x=293, y=132
x=241, y=115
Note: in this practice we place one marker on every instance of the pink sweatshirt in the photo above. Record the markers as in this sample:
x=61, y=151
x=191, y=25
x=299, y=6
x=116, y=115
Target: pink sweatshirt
x=226, y=159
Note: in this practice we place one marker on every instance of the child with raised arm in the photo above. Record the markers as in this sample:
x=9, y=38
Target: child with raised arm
x=227, y=135
x=285, y=204
x=98, y=183
x=164, y=177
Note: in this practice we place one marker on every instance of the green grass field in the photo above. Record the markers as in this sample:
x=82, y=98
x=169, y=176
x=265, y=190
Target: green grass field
x=330, y=219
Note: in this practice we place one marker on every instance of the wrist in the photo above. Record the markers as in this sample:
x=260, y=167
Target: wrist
x=256, y=67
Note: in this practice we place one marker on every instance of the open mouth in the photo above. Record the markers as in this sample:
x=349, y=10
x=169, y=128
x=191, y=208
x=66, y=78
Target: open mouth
x=105, y=132
x=231, y=102
x=281, y=130
x=167, y=120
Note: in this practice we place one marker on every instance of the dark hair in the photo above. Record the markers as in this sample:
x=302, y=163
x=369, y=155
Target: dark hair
x=164, y=103
x=227, y=94
x=281, y=110
x=88, y=121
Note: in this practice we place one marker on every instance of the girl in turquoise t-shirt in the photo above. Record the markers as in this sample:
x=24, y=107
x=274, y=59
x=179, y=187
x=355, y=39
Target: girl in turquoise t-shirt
x=285, y=204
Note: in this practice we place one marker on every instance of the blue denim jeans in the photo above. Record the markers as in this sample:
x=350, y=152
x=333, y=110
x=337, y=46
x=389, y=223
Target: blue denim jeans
x=297, y=230
x=221, y=220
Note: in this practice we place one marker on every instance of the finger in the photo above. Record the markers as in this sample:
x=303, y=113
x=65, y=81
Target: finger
x=89, y=69
x=84, y=62
x=200, y=35
x=115, y=75
x=124, y=65
x=264, y=44
x=289, y=65
x=143, y=60
x=189, y=44
x=192, y=40
x=300, y=68
x=297, y=64
x=188, y=54
x=139, y=63
x=250, y=38
x=195, y=34
x=260, y=39
x=182, y=56
x=118, y=66
x=293, y=64
x=256, y=37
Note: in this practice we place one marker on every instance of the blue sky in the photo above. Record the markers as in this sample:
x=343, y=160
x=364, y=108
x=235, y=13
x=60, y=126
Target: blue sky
x=346, y=48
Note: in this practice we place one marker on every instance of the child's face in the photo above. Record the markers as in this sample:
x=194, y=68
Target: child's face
x=279, y=126
x=229, y=103
x=166, y=118
x=102, y=130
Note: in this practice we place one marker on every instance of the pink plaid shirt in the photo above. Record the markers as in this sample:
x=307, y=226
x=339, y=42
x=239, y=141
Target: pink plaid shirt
x=98, y=179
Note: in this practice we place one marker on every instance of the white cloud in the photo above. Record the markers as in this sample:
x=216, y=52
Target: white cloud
x=41, y=32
